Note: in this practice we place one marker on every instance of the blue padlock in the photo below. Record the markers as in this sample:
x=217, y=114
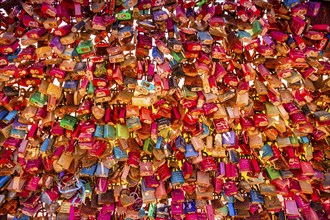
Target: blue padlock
x=231, y=199
x=189, y=207
x=168, y=149
x=266, y=152
x=20, y=126
x=190, y=151
x=125, y=31
x=3, y=113
x=99, y=130
x=15, y=133
x=88, y=171
x=304, y=140
x=206, y=131
x=13, y=56
x=162, y=209
x=80, y=67
x=45, y=145
x=281, y=215
x=286, y=173
x=133, y=123
x=71, y=85
x=159, y=142
x=10, y=116
x=24, y=217
x=129, y=3
x=244, y=35
x=233, y=157
x=256, y=197
x=119, y=154
x=142, y=213
x=228, y=199
x=290, y=40
x=148, y=85
x=157, y=55
x=291, y=3
x=4, y=180
x=190, y=13
x=101, y=170
x=177, y=178
x=173, y=64
x=180, y=143
x=232, y=211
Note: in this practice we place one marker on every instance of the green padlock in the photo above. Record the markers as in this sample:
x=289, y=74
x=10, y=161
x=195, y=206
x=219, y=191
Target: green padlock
x=38, y=99
x=271, y=109
x=88, y=190
x=68, y=122
x=84, y=47
x=152, y=210
x=122, y=131
x=222, y=211
x=100, y=70
x=124, y=16
x=145, y=12
x=189, y=95
x=148, y=146
x=294, y=141
x=178, y=57
x=308, y=153
x=90, y=90
x=109, y=132
x=164, y=132
x=272, y=173
x=201, y=3
x=295, y=77
x=256, y=27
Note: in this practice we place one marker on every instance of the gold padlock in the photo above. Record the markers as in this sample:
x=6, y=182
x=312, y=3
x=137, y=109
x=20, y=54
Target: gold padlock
x=44, y=52
x=65, y=160
x=43, y=86
x=68, y=65
x=144, y=101
x=54, y=90
x=51, y=23
x=68, y=39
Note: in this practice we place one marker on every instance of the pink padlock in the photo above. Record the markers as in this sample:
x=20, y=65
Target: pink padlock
x=230, y=188
x=218, y=185
x=177, y=196
x=133, y=159
x=297, y=25
x=102, y=185
x=245, y=165
x=151, y=181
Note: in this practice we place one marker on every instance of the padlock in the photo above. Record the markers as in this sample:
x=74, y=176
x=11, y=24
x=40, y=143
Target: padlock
x=291, y=207
x=272, y=173
x=177, y=196
x=68, y=122
x=164, y=172
x=177, y=178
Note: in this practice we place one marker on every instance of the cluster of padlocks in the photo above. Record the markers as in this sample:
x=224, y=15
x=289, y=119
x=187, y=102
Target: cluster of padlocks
x=164, y=109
